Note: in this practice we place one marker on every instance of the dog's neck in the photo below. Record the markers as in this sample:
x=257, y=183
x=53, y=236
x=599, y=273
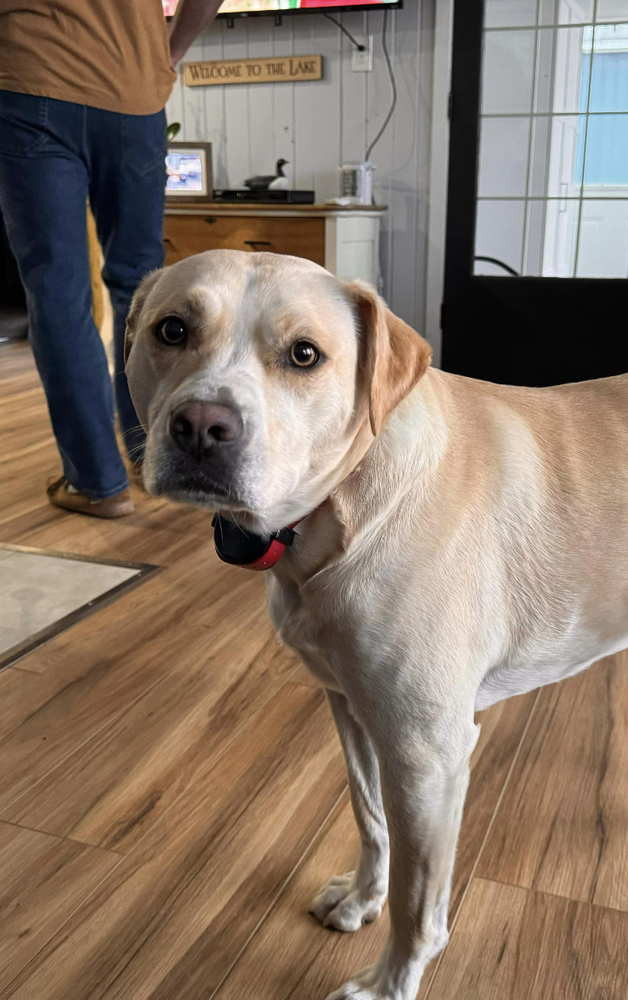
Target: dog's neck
x=321, y=534
x=367, y=486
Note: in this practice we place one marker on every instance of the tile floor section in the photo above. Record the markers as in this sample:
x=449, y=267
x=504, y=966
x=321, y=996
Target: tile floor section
x=38, y=591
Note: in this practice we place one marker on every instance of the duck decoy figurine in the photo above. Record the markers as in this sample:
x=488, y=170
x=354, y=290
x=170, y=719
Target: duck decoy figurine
x=270, y=182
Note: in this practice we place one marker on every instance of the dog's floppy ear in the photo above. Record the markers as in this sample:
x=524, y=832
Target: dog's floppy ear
x=137, y=304
x=393, y=355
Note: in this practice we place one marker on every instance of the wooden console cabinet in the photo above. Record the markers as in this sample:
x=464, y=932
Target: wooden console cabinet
x=344, y=240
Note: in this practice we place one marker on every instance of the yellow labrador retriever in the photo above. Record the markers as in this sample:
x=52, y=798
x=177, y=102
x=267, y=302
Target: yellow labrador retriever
x=456, y=542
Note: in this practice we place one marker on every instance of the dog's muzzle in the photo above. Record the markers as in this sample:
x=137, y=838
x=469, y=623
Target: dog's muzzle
x=206, y=443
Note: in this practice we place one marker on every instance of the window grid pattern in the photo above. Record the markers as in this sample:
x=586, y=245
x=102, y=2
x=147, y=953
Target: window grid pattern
x=539, y=70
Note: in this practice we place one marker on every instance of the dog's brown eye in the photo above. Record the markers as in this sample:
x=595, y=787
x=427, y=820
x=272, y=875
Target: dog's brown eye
x=171, y=331
x=303, y=354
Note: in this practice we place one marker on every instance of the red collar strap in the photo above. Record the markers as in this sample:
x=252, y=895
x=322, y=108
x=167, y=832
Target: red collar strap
x=241, y=548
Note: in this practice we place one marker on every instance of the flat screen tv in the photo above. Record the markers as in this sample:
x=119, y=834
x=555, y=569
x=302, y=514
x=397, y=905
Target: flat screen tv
x=253, y=8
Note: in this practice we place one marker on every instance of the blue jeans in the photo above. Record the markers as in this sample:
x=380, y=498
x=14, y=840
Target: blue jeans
x=54, y=157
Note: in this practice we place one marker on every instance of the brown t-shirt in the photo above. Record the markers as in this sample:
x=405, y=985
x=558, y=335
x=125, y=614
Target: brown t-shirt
x=110, y=54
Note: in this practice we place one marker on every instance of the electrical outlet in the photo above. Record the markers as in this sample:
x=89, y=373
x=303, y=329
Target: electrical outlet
x=362, y=62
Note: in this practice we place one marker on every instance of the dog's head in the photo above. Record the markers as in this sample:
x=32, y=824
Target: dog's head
x=254, y=374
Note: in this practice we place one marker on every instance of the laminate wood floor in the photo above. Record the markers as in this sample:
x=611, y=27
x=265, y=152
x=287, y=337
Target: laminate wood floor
x=172, y=791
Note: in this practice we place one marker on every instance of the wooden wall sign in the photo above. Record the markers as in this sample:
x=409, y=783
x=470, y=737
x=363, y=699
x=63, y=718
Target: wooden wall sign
x=274, y=69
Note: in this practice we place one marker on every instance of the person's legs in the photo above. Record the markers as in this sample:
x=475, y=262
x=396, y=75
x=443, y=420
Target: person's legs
x=128, y=178
x=43, y=195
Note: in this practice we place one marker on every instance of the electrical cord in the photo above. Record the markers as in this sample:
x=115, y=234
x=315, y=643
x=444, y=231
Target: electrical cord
x=500, y=263
x=359, y=47
x=393, y=84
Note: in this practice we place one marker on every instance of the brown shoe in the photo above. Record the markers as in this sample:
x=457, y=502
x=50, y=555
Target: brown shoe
x=61, y=494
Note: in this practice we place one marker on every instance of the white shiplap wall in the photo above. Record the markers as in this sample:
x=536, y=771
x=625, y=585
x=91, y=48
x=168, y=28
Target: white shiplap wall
x=319, y=125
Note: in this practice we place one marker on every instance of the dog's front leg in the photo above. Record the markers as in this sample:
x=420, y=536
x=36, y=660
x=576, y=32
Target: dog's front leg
x=424, y=785
x=348, y=901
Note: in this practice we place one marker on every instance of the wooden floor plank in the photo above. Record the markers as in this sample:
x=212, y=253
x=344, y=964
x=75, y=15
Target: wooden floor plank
x=24, y=489
x=292, y=955
x=563, y=824
x=184, y=610
x=17, y=363
x=106, y=539
x=27, y=518
x=517, y=943
x=114, y=787
x=503, y=727
x=24, y=425
x=300, y=958
x=163, y=924
x=42, y=881
x=22, y=440
x=96, y=670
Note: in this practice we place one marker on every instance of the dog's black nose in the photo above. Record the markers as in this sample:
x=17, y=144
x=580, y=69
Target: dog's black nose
x=198, y=427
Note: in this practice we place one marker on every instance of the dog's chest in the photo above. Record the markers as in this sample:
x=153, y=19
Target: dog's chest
x=307, y=627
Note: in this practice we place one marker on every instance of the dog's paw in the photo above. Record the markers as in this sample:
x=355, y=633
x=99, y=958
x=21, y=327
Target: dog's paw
x=363, y=986
x=343, y=905
x=353, y=991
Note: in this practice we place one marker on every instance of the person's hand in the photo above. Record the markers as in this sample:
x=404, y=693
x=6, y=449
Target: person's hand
x=191, y=18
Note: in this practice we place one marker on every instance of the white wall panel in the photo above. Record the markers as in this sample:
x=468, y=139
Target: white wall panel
x=319, y=125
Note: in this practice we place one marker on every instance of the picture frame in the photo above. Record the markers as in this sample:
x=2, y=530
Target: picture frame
x=189, y=175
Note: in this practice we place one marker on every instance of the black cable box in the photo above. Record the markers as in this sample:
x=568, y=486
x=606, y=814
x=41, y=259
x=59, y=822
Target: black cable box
x=264, y=195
